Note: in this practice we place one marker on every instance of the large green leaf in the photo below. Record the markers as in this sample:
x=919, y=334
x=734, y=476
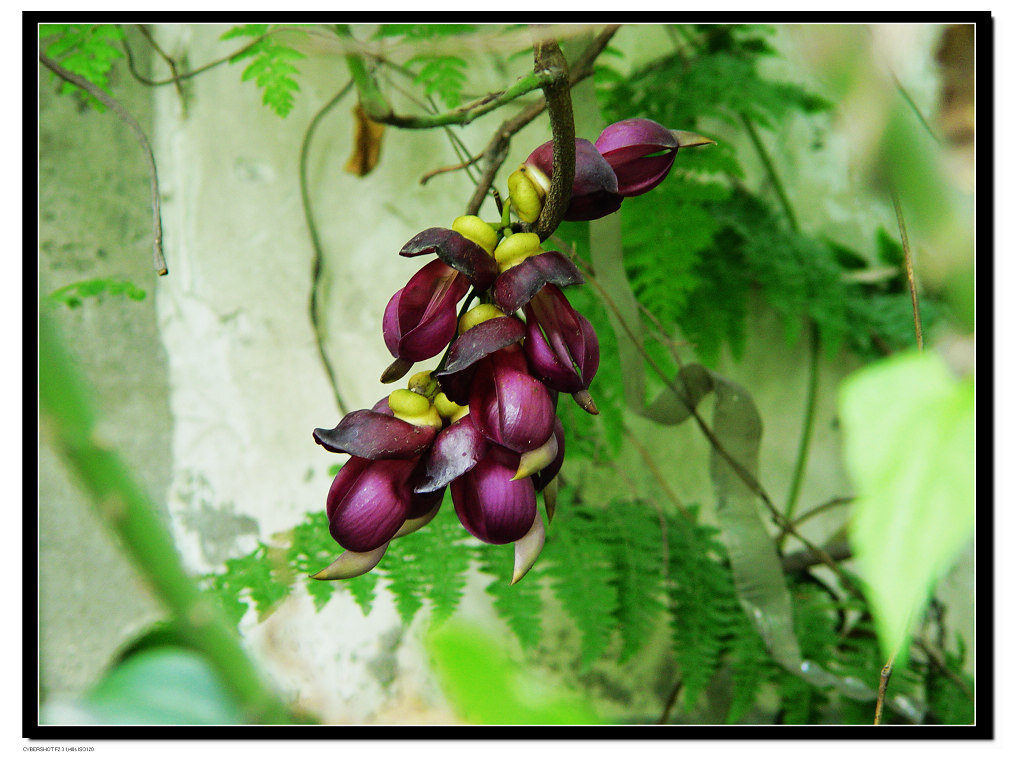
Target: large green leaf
x=167, y=685
x=909, y=440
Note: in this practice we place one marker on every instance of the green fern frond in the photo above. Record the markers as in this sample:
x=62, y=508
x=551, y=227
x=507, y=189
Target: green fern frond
x=518, y=605
x=428, y=565
x=441, y=75
x=271, y=68
x=582, y=578
x=88, y=50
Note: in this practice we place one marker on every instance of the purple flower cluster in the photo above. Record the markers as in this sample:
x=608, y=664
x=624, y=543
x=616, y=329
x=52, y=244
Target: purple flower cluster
x=484, y=423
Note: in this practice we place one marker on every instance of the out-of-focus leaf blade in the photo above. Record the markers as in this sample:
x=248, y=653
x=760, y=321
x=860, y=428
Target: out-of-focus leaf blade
x=486, y=687
x=909, y=446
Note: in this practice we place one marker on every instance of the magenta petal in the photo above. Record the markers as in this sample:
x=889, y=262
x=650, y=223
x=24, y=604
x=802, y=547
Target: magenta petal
x=594, y=193
x=489, y=505
x=481, y=341
x=375, y=436
x=508, y=405
x=517, y=285
x=561, y=345
x=628, y=146
x=421, y=318
x=455, y=451
x=421, y=504
x=367, y=506
x=457, y=251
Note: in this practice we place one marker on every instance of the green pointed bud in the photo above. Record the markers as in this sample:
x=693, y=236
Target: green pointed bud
x=515, y=249
x=477, y=314
x=528, y=548
x=527, y=187
x=350, y=564
x=413, y=408
x=479, y=232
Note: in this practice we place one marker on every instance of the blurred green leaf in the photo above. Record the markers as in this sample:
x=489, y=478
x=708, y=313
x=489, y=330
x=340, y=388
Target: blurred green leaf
x=486, y=687
x=909, y=446
x=160, y=686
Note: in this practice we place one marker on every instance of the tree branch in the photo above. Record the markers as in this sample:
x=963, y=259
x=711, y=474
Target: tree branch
x=109, y=102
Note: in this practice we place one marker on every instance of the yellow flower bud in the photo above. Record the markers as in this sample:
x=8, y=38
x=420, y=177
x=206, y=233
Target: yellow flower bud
x=478, y=314
x=515, y=249
x=413, y=408
x=527, y=187
x=449, y=410
x=479, y=232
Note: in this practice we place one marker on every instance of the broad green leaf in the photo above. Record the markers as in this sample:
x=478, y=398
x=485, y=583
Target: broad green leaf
x=168, y=685
x=909, y=446
x=486, y=687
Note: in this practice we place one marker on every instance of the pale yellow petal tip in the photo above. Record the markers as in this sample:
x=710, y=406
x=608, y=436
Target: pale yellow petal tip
x=351, y=564
x=691, y=139
x=536, y=459
x=528, y=548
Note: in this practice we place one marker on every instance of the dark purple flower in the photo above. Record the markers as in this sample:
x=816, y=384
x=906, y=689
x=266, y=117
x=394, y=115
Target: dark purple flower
x=518, y=284
x=594, y=193
x=471, y=346
x=457, y=251
x=641, y=152
x=490, y=505
x=548, y=473
x=508, y=406
x=369, y=501
x=421, y=318
x=561, y=345
x=455, y=451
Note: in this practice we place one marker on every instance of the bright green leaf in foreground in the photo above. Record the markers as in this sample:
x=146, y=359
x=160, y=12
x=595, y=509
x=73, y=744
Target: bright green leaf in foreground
x=909, y=447
x=486, y=687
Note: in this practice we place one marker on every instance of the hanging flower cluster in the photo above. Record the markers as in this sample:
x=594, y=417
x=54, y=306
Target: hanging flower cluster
x=484, y=422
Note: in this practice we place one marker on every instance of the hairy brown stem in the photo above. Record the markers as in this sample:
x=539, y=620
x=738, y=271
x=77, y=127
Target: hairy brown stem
x=114, y=105
x=549, y=59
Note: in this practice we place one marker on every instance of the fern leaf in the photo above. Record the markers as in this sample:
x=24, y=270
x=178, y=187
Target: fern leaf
x=88, y=50
x=583, y=579
x=518, y=605
x=441, y=75
x=271, y=68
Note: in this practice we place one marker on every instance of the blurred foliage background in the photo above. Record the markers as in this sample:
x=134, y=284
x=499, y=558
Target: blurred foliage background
x=808, y=283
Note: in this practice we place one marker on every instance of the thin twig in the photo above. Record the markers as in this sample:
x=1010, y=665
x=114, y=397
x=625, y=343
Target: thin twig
x=444, y=169
x=670, y=702
x=108, y=101
x=186, y=74
x=653, y=467
x=885, y=677
x=941, y=665
x=168, y=59
x=809, y=413
x=318, y=251
x=909, y=272
x=815, y=511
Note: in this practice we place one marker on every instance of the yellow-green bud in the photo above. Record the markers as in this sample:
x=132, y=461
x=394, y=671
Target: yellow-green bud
x=527, y=187
x=478, y=314
x=449, y=410
x=422, y=383
x=479, y=232
x=413, y=408
x=515, y=249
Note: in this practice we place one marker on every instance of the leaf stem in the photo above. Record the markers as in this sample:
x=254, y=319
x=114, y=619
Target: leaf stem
x=133, y=516
x=909, y=271
x=806, y=435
